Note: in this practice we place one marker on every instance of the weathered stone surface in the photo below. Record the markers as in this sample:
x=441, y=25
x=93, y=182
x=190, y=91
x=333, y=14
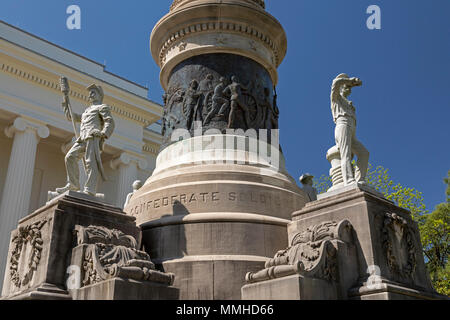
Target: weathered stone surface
x=207, y=88
x=212, y=277
x=44, y=247
x=235, y=214
x=323, y=254
x=387, y=241
x=57, y=221
x=381, y=259
x=234, y=179
x=294, y=287
x=210, y=258
x=209, y=26
x=122, y=289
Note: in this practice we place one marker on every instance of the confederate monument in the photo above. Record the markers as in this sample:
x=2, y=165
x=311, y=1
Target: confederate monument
x=220, y=218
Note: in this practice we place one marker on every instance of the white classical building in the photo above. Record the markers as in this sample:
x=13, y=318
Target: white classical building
x=35, y=134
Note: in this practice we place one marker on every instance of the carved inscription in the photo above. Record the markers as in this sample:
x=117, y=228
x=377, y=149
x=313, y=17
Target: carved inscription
x=200, y=198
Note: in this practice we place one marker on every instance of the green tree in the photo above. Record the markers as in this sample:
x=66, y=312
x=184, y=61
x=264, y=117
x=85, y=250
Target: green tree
x=434, y=227
x=378, y=177
x=434, y=232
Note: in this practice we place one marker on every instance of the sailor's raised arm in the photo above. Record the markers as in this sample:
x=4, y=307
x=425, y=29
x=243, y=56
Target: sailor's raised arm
x=338, y=83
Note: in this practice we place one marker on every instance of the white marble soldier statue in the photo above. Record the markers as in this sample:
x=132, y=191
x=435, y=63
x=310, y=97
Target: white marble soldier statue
x=97, y=125
x=344, y=116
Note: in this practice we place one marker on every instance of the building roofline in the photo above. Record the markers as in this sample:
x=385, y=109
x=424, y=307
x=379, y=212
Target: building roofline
x=74, y=53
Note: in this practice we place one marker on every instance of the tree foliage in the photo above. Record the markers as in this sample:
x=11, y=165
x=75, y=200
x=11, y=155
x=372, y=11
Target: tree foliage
x=434, y=227
x=435, y=232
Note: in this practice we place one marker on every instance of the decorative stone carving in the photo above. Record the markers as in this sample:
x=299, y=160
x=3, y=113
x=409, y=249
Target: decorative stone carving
x=311, y=254
x=398, y=242
x=26, y=253
x=179, y=3
x=110, y=253
x=201, y=26
x=224, y=92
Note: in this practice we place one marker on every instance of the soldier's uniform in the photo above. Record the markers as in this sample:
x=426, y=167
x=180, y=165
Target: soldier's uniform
x=96, y=125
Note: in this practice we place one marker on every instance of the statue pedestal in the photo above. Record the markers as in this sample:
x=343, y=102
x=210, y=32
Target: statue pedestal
x=295, y=287
x=44, y=256
x=382, y=259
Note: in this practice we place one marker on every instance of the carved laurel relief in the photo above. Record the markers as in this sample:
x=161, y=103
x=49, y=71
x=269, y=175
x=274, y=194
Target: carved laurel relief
x=110, y=254
x=398, y=242
x=311, y=254
x=26, y=253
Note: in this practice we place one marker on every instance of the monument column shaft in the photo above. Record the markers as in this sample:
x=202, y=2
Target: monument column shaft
x=17, y=191
x=211, y=222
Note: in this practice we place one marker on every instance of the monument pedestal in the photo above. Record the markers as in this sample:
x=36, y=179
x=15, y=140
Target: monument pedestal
x=212, y=214
x=47, y=261
x=383, y=258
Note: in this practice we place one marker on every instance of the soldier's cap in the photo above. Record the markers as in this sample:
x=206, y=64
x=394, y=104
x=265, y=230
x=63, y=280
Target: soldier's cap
x=98, y=88
x=343, y=76
x=305, y=177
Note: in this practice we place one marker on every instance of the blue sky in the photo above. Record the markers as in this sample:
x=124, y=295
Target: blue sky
x=403, y=108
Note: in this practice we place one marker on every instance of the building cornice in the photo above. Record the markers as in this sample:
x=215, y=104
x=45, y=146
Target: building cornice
x=123, y=104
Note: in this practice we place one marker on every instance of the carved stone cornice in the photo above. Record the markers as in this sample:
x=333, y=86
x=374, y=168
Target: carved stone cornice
x=180, y=3
x=209, y=26
x=53, y=84
x=151, y=148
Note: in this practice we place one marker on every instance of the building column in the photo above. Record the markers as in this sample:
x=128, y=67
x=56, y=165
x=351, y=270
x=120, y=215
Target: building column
x=127, y=165
x=16, y=196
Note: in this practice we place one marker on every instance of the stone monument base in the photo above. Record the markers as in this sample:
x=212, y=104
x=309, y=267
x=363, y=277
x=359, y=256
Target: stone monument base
x=77, y=248
x=294, y=287
x=125, y=289
x=215, y=208
x=43, y=292
x=377, y=256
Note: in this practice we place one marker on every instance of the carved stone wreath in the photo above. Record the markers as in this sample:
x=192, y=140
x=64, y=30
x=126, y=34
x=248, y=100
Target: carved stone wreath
x=26, y=249
x=398, y=242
